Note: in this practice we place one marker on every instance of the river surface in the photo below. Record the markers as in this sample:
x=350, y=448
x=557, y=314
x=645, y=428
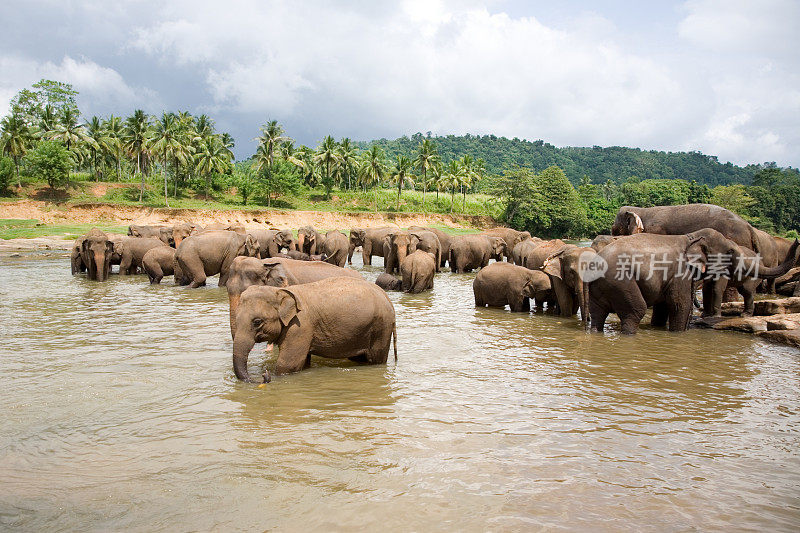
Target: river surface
x=120, y=411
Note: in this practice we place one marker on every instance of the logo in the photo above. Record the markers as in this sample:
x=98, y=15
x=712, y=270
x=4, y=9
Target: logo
x=591, y=266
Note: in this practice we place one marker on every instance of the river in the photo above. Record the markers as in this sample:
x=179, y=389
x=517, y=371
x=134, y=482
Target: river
x=121, y=412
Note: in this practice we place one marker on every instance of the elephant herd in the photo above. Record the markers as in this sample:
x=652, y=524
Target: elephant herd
x=296, y=292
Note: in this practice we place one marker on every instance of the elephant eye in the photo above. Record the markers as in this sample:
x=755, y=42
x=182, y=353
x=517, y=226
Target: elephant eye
x=257, y=322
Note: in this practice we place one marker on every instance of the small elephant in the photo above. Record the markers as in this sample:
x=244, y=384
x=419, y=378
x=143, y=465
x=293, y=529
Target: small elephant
x=163, y=233
x=520, y=252
x=301, y=256
x=159, y=262
x=77, y=265
x=502, y=283
x=225, y=226
x=427, y=241
x=335, y=248
x=96, y=250
x=469, y=252
x=388, y=282
x=510, y=236
x=336, y=318
x=309, y=240
x=132, y=251
x=564, y=269
x=396, y=246
x=417, y=270
x=272, y=241
x=370, y=240
x=210, y=253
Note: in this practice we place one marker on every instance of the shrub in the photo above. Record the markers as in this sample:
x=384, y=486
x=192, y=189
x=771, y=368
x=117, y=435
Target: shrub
x=50, y=162
x=6, y=172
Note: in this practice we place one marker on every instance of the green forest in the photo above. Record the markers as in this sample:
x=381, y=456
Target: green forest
x=180, y=158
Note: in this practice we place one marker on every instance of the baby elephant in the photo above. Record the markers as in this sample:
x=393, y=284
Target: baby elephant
x=388, y=282
x=418, y=269
x=159, y=262
x=501, y=284
x=335, y=318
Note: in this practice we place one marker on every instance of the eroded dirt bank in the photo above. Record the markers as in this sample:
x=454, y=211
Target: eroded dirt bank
x=124, y=214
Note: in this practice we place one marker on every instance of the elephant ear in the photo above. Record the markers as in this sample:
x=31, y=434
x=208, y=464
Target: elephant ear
x=275, y=275
x=110, y=246
x=634, y=223
x=251, y=248
x=288, y=306
x=552, y=265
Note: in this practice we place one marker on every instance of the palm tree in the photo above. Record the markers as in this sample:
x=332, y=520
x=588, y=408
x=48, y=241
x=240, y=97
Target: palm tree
x=328, y=157
x=165, y=141
x=452, y=179
x=137, y=133
x=48, y=120
x=212, y=157
x=348, y=155
x=372, y=170
x=425, y=160
x=291, y=155
x=15, y=137
x=437, y=170
x=204, y=126
x=268, y=143
x=306, y=155
x=73, y=134
x=114, y=134
x=96, y=131
x=401, y=174
x=188, y=144
x=466, y=177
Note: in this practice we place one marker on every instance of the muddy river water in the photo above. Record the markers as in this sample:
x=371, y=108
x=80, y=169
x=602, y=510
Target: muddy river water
x=120, y=411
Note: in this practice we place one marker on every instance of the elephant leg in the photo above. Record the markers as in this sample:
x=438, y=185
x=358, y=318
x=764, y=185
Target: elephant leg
x=660, y=315
x=478, y=300
x=125, y=265
x=598, y=315
x=293, y=353
x=196, y=273
x=747, y=290
x=366, y=252
x=631, y=308
x=680, y=312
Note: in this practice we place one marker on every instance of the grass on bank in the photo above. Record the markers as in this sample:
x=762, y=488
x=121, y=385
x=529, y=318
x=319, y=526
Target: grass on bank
x=31, y=228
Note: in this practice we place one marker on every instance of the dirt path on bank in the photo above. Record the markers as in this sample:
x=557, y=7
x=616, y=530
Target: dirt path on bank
x=124, y=214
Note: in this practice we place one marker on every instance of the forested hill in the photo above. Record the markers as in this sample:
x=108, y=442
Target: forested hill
x=614, y=163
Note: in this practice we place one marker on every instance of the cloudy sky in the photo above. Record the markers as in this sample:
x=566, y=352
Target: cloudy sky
x=719, y=76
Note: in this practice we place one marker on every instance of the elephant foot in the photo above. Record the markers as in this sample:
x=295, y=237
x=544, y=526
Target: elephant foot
x=267, y=377
x=747, y=314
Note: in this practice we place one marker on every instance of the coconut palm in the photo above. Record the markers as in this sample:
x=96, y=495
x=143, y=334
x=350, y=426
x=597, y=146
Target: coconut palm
x=204, y=126
x=114, y=135
x=310, y=171
x=401, y=174
x=72, y=133
x=15, y=137
x=212, y=157
x=165, y=142
x=348, y=159
x=95, y=130
x=48, y=120
x=451, y=178
x=466, y=177
x=268, y=144
x=137, y=135
x=327, y=157
x=425, y=160
x=372, y=170
x=291, y=155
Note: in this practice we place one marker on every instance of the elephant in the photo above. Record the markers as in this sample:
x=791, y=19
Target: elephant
x=388, y=282
x=335, y=248
x=745, y=272
x=564, y=269
x=132, y=252
x=468, y=252
x=537, y=255
x=163, y=233
x=309, y=240
x=225, y=226
x=300, y=256
x=276, y=272
x=370, y=240
x=601, y=241
x=77, y=265
x=427, y=241
x=336, y=318
x=520, y=252
x=180, y=231
x=510, y=236
x=444, y=242
x=272, y=241
x=417, y=270
x=502, y=283
x=662, y=278
x=395, y=249
x=209, y=253
x=96, y=250
x=159, y=262
x=684, y=219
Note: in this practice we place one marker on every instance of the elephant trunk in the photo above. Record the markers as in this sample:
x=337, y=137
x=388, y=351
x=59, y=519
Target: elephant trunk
x=99, y=259
x=583, y=301
x=242, y=345
x=783, y=268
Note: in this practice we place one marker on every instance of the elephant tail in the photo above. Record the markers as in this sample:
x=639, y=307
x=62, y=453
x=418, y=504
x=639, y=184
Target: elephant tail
x=394, y=337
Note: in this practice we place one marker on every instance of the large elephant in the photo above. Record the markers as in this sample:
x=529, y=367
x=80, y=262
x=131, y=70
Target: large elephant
x=427, y=241
x=159, y=262
x=276, y=272
x=272, y=241
x=444, y=242
x=210, y=253
x=502, y=283
x=395, y=248
x=469, y=252
x=744, y=271
x=336, y=318
x=370, y=240
x=519, y=254
x=96, y=250
x=132, y=250
x=335, y=248
x=537, y=255
x=417, y=270
x=510, y=236
x=684, y=219
x=310, y=240
x=651, y=270
x=564, y=268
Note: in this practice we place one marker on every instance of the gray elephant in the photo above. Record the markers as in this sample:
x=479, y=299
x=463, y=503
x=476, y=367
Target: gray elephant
x=395, y=248
x=77, y=266
x=601, y=241
x=132, y=250
x=225, y=226
x=96, y=250
x=388, y=282
x=427, y=241
x=336, y=318
x=564, y=269
x=310, y=240
x=519, y=254
x=272, y=241
x=159, y=262
x=300, y=256
x=501, y=284
x=510, y=236
x=210, y=253
x=470, y=252
x=444, y=242
x=335, y=248
x=163, y=233
x=370, y=240
x=537, y=254
x=417, y=270
x=276, y=272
